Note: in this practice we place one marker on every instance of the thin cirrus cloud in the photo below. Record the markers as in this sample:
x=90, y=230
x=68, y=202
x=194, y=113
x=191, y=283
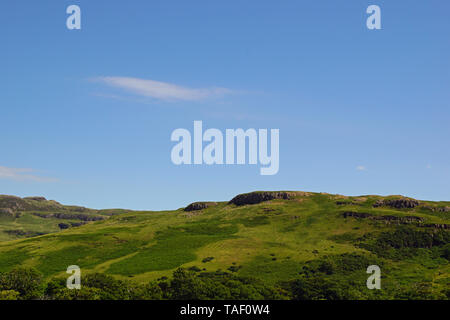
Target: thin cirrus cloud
x=22, y=174
x=162, y=90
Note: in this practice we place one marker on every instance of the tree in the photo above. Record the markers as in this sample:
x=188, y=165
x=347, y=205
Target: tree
x=85, y=293
x=9, y=295
x=185, y=286
x=26, y=281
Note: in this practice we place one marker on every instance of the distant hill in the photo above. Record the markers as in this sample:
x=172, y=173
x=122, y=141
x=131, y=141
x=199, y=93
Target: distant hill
x=275, y=237
x=32, y=216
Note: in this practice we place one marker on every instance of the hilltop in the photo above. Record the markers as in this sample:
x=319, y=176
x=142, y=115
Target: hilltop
x=275, y=237
x=33, y=216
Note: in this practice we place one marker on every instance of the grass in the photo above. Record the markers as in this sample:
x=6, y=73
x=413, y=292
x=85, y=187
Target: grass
x=12, y=258
x=174, y=247
x=271, y=241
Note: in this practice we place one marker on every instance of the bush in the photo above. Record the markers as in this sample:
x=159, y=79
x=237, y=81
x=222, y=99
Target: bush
x=26, y=281
x=85, y=293
x=9, y=295
x=420, y=291
x=109, y=288
x=219, y=285
x=319, y=287
x=150, y=291
x=54, y=285
x=195, y=269
x=340, y=264
x=406, y=242
x=234, y=268
x=445, y=252
x=186, y=286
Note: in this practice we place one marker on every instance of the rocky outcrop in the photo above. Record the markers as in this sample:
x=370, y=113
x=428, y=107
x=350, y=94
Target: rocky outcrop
x=77, y=224
x=397, y=220
x=401, y=203
x=77, y=209
x=41, y=204
x=389, y=219
x=437, y=209
x=356, y=214
x=7, y=211
x=35, y=198
x=13, y=203
x=29, y=204
x=437, y=226
x=21, y=233
x=258, y=197
x=68, y=225
x=346, y=203
x=69, y=216
x=199, y=206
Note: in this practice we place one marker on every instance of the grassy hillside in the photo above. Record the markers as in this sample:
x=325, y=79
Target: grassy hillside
x=276, y=237
x=33, y=216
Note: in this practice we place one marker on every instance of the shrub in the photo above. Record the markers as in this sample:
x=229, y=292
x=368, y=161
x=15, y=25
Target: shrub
x=109, y=288
x=85, y=293
x=26, y=281
x=445, y=253
x=234, y=268
x=195, y=269
x=150, y=291
x=186, y=286
x=9, y=295
x=54, y=285
x=319, y=287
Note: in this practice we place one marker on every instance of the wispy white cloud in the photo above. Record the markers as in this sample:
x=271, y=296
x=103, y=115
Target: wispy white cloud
x=162, y=90
x=361, y=168
x=22, y=174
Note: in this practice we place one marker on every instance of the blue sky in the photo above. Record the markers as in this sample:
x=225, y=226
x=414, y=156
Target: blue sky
x=359, y=111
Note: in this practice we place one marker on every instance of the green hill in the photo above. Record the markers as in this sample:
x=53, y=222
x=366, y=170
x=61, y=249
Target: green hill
x=33, y=216
x=275, y=237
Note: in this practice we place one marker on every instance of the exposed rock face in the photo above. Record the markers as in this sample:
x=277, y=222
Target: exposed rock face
x=71, y=216
x=199, y=206
x=345, y=203
x=35, y=198
x=401, y=203
x=77, y=209
x=258, y=197
x=7, y=211
x=436, y=226
x=12, y=203
x=21, y=233
x=356, y=214
x=30, y=203
x=394, y=219
x=437, y=209
x=63, y=226
x=77, y=224
x=399, y=220
x=14, y=206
